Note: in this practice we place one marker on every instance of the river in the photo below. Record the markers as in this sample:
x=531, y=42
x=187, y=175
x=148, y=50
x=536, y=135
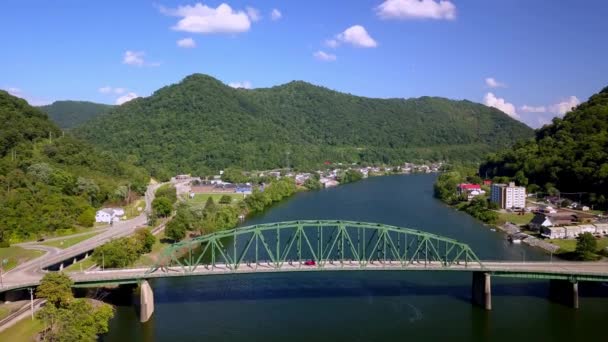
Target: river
x=368, y=306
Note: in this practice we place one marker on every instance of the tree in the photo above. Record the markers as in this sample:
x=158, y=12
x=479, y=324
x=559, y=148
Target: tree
x=117, y=253
x=56, y=287
x=168, y=191
x=146, y=239
x=586, y=246
x=87, y=218
x=209, y=205
x=162, y=206
x=350, y=176
x=225, y=199
x=176, y=229
x=312, y=184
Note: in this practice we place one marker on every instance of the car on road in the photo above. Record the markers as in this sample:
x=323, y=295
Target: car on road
x=40, y=240
x=310, y=263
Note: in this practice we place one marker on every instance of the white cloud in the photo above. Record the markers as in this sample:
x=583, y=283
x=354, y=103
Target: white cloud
x=240, y=84
x=136, y=58
x=417, y=9
x=186, y=43
x=126, y=98
x=565, y=106
x=324, y=56
x=533, y=109
x=355, y=35
x=493, y=83
x=491, y=100
x=253, y=14
x=275, y=14
x=201, y=18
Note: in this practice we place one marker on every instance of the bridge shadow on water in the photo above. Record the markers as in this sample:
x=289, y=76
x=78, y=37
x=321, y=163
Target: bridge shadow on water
x=345, y=284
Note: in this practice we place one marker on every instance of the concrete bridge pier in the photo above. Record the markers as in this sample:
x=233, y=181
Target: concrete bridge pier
x=481, y=288
x=564, y=292
x=146, y=301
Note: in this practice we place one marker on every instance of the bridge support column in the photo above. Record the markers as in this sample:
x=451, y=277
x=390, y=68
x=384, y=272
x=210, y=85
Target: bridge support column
x=146, y=301
x=481, y=290
x=61, y=267
x=564, y=292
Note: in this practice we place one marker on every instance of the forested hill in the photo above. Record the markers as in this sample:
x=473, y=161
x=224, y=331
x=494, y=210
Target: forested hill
x=68, y=114
x=200, y=125
x=568, y=156
x=49, y=181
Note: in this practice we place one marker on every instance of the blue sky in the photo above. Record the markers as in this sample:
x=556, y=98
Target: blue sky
x=532, y=59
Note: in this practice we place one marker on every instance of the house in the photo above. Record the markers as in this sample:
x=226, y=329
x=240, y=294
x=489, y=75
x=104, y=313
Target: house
x=470, y=190
x=328, y=182
x=573, y=231
x=541, y=220
x=108, y=215
x=508, y=196
x=585, y=208
x=487, y=182
x=553, y=232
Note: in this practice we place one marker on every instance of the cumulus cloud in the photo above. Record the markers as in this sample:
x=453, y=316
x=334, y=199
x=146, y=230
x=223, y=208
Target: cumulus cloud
x=133, y=58
x=324, y=56
x=533, y=109
x=14, y=91
x=240, y=84
x=126, y=98
x=186, y=43
x=491, y=100
x=417, y=9
x=565, y=106
x=253, y=14
x=355, y=35
x=203, y=19
x=491, y=82
x=111, y=90
x=275, y=14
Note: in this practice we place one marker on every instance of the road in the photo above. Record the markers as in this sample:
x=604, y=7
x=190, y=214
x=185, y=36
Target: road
x=595, y=271
x=31, y=270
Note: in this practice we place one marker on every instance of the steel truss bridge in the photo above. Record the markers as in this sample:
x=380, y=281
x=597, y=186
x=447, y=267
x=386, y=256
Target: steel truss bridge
x=316, y=244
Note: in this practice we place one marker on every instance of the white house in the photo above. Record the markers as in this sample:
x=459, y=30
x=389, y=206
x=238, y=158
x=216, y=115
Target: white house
x=553, y=232
x=108, y=215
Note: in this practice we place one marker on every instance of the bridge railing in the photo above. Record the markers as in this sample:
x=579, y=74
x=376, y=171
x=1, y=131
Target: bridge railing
x=316, y=243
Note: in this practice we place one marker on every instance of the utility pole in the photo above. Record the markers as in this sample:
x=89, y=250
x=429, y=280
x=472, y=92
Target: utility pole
x=32, y=301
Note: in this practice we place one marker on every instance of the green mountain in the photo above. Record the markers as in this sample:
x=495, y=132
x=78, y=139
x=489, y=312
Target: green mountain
x=49, y=181
x=570, y=155
x=200, y=125
x=68, y=114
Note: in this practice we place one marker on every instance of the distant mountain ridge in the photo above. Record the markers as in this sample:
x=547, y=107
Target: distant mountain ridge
x=200, y=125
x=69, y=114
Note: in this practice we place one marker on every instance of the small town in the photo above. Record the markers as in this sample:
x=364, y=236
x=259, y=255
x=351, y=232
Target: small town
x=541, y=222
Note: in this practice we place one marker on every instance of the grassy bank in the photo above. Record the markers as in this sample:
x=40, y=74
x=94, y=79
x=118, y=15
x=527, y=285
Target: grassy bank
x=569, y=245
x=515, y=218
x=15, y=255
x=23, y=331
x=69, y=241
x=201, y=199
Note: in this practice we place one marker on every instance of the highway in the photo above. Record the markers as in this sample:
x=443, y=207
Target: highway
x=591, y=271
x=31, y=271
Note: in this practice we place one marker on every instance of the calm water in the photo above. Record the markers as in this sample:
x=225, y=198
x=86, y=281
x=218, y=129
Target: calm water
x=368, y=306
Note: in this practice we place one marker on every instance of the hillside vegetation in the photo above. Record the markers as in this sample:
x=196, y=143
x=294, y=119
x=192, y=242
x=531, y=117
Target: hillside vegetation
x=68, y=114
x=200, y=125
x=568, y=156
x=49, y=181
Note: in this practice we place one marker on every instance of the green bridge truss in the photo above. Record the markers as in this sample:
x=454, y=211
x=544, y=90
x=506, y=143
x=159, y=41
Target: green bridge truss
x=324, y=241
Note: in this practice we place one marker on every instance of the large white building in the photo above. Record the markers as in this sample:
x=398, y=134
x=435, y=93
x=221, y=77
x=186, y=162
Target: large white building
x=508, y=196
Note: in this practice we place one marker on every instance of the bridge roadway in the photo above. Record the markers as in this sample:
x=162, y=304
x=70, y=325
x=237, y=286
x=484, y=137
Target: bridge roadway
x=574, y=271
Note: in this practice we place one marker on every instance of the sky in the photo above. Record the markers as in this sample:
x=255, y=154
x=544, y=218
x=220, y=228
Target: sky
x=534, y=60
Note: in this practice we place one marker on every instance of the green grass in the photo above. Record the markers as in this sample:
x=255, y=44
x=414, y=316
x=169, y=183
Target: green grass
x=16, y=255
x=24, y=330
x=569, y=245
x=69, y=241
x=201, y=199
x=10, y=307
x=76, y=267
x=515, y=218
x=131, y=209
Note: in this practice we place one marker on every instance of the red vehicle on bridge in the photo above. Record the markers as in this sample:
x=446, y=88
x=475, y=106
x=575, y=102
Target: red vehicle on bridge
x=310, y=263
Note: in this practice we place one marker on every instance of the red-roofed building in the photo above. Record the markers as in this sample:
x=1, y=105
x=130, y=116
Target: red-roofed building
x=471, y=190
x=487, y=182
